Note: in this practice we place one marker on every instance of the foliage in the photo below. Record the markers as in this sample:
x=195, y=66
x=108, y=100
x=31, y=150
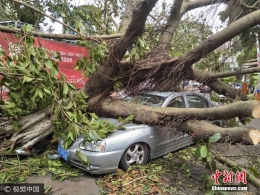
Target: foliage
x=16, y=12
x=204, y=153
x=31, y=77
x=16, y=170
x=97, y=55
x=88, y=18
x=139, y=50
x=246, y=54
x=124, y=121
x=190, y=32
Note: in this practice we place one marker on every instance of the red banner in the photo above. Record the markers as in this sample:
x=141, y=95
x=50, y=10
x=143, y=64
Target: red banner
x=69, y=55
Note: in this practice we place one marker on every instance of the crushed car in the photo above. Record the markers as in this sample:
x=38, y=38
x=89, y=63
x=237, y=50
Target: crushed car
x=137, y=143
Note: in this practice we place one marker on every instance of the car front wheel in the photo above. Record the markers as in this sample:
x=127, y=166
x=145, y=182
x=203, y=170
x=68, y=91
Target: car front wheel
x=137, y=153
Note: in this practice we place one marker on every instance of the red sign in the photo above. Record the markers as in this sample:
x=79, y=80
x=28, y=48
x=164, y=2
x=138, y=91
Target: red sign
x=69, y=55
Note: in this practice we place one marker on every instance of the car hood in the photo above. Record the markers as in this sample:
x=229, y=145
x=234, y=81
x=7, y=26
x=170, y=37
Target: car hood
x=126, y=128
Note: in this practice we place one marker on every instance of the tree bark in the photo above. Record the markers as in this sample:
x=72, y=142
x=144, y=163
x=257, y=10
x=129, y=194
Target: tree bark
x=190, y=5
x=172, y=24
x=164, y=115
x=202, y=130
x=102, y=79
x=127, y=16
x=238, y=72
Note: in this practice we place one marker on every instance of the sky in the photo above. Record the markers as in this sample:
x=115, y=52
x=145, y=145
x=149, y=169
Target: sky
x=209, y=11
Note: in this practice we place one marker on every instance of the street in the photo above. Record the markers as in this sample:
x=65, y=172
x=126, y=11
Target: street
x=255, y=123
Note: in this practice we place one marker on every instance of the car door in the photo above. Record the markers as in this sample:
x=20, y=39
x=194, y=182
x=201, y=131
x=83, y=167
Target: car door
x=167, y=140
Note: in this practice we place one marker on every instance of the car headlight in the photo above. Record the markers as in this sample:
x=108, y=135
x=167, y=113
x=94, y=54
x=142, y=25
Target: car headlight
x=98, y=146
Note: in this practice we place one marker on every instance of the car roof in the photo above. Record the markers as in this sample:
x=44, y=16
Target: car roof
x=167, y=93
x=158, y=93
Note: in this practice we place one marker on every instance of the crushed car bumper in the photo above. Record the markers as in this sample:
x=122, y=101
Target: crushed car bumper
x=100, y=162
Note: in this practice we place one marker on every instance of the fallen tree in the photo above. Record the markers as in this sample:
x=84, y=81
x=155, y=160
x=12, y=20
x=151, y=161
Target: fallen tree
x=55, y=105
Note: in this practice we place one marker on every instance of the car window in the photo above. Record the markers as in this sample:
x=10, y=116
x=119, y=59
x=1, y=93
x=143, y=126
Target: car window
x=145, y=99
x=196, y=102
x=177, y=102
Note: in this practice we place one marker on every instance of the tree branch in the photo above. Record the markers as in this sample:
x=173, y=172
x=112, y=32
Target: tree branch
x=135, y=28
x=102, y=79
x=216, y=40
x=163, y=115
x=172, y=24
x=238, y=72
x=253, y=7
x=215, y=84
x=126, y=18
x=203, y=130
x=60, y=36
x=190, y=5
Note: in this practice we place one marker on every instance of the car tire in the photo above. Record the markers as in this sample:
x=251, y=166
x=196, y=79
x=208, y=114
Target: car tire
x=137, y=153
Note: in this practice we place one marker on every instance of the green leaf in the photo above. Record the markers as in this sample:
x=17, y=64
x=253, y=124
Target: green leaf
x=140, y=42
x=94, y=136
x=203, y=151
x=254, y=171
x=214, y=138
x=10, y=105
x=65, y=88
x=27, y=79
x=197, y=153
x=48, y=63
x=46, y=91
x=69, y=106
x=15, y=125
x=40, y=94
x=158, y=168
x=76, y=129
x=83, y=158
x=54, y=71
x=209, y=157
x=93, y=115
x=14, y=95
x=57, y=163
x=133, y=51
x=22, y=70
x=70, y=135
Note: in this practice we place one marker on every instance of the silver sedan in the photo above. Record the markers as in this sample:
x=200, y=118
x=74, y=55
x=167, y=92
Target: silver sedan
x=137, y=143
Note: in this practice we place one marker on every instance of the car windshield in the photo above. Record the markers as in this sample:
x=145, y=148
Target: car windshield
x=145, y=99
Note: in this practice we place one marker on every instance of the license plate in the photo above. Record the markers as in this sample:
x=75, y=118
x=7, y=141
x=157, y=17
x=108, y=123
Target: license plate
x=63, y=153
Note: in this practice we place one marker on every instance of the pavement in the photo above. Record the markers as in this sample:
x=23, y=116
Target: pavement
x=255, y=123
x=83, y=185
